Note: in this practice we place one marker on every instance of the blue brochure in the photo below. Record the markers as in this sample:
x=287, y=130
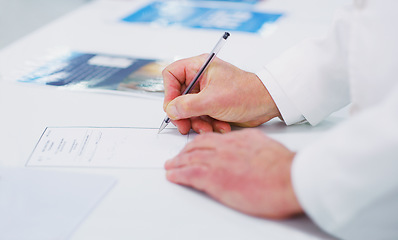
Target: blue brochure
x=77, y=70
x=226, y=18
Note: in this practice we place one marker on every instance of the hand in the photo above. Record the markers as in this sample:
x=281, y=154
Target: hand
x=224, y=94
x=245, y=170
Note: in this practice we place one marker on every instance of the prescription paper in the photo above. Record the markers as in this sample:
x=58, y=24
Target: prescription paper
x=107, y=147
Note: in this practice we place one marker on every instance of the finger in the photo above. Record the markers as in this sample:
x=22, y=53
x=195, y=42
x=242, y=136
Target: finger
x=198, y=157
x=192, y=176
x=217, y=125
x=201, y=126
x=203, y=141
x=221, y=126
x=183, y=125
x=177, y=76
x=190, y=105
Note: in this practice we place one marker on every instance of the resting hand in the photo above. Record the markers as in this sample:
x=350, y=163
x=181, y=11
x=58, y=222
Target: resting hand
x=224, y=94
x=244, y=170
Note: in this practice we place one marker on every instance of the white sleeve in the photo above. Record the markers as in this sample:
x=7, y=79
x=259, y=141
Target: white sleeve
x=290, y=115
x=310, y=80
x=347, y=182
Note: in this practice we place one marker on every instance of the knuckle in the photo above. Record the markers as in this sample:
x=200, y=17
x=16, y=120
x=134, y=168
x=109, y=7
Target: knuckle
x=206, y=136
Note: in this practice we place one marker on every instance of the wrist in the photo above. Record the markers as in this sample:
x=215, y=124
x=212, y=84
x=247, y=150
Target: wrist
x=265, y=107
x=270, y=109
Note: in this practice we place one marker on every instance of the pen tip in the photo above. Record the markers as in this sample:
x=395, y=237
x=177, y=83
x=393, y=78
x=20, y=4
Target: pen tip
x=164, y=124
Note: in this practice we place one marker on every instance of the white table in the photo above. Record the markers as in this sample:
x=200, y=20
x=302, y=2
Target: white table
x=143, y=204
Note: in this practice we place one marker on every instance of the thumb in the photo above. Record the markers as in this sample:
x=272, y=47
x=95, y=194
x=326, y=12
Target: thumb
x=187, y=106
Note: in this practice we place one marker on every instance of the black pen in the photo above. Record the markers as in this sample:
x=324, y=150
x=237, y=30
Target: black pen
x=212, y=55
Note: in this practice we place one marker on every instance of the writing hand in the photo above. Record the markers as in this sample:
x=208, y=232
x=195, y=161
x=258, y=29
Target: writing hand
x=225, y=94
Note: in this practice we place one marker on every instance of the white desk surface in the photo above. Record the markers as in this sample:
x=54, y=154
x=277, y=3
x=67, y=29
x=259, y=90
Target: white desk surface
x=143, y=204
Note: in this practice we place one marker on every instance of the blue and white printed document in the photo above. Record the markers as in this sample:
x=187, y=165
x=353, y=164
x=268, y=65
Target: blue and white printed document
x=107, y=147
x=219, y=17
x=47, y=205
x=100, y=72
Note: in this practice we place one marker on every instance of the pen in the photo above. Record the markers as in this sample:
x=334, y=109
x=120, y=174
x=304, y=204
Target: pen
x=212, y=55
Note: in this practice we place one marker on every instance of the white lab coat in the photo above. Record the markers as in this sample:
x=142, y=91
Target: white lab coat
x=347, y=182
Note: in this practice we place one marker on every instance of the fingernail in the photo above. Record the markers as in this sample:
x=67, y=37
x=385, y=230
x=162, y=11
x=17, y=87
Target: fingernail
x=222, y=131
x=201, y=131
x=172, y=112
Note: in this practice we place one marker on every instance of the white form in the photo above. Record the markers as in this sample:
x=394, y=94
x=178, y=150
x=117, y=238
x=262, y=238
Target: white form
x=47, y=205
x=106, y=147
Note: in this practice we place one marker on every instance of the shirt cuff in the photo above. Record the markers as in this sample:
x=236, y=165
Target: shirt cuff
x=289, y=112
